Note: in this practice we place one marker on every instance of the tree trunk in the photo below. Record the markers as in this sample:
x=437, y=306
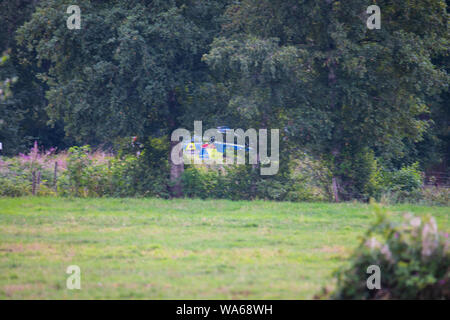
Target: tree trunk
x=176, y=170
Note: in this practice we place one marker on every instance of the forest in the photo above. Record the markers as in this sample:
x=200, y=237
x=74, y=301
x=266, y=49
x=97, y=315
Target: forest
x=362, y=112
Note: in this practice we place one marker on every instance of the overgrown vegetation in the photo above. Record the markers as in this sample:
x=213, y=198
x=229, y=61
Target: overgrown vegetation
x=413, y=257
x=139, y=171
x=365, y=103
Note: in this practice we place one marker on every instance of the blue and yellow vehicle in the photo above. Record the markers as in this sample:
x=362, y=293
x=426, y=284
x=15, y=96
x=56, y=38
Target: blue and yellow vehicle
x=210, y=150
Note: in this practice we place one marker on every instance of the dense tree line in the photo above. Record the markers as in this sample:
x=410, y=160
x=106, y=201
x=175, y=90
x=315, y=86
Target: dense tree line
x=346, y=94
x=23, y=115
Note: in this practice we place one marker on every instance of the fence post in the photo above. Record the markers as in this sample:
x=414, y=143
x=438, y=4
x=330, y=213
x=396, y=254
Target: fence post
x=33, y=183
x=55, y=177
x=335, y=190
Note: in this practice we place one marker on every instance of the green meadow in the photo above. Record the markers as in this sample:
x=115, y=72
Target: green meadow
x=179, y=249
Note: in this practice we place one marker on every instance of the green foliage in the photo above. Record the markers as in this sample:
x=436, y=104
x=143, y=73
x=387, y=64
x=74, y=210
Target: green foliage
x=413, y=257
x=353, y=96
x=90, y=178
x=150, y=173
x=127, y=176
x=23, y=118
x=79, y=170
x=427, y=196
x=200, y=182
x=17, y=173
x=141, y=169
x=404, y=185
x=360, y=173
x=243, y=182
x=135, y=59
x=9, y=116
x=17, y=187
x=234, y=182
x=337, y=88
x=408, y=178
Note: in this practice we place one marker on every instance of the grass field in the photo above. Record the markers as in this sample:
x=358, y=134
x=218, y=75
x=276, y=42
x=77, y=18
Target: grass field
x=181, y=249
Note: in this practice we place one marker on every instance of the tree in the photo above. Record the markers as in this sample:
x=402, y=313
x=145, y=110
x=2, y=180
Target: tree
x=23, y=115
x=337, y=88
x=9, y=126
x=125, y=71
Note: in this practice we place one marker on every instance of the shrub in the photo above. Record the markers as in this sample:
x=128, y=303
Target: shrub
x=83, y=173
x=128, y=176
x=406, y=185
x=149, y=173
x=17, y=173
x=240, y=182
x=232, y=182
x=414, y=259
x=358, y=172
x=407, y=179
x=76, y=179
x=309, y=180
x=199, y=182
x=14, y=188
x=243, y=182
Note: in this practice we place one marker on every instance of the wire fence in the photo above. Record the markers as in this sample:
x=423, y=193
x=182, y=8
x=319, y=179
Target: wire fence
x=432, y=179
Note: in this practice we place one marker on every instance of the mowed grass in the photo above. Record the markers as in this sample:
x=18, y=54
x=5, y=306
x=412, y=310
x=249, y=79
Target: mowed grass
x=178, y=249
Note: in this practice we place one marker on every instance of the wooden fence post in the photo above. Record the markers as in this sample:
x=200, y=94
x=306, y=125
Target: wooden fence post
x=335, y=190
x=33, y=183
x=55, y=177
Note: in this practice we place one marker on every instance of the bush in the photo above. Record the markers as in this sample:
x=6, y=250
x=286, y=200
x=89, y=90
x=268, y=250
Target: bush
x=243, y=182
x=128, y=176
x=16, y=174
x=406, y=185
x=407, y=179
x=358, y=172
x=149, y=174
x=200, y=182
x=413, y=257
x=14, y=188
x=141, y=169
x=232, y=182
x=76, y=180
x=309, y=180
